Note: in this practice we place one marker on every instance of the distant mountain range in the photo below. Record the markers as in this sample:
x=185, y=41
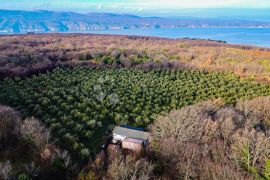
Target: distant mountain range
x=12, y=21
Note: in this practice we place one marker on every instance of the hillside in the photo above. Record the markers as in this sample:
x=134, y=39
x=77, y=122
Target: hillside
x=62, y=94
x=27, y=54
x=80, y=105
x=12, y=21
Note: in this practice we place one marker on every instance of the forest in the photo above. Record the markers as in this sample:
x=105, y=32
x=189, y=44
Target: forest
x=24, y=55
x=63, y=109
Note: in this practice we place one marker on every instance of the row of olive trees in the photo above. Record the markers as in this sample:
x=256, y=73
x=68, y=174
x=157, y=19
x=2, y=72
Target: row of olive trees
x=75, y=103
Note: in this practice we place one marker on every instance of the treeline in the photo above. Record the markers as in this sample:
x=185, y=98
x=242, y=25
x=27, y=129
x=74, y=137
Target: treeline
x=27, y=65
x=28, y=54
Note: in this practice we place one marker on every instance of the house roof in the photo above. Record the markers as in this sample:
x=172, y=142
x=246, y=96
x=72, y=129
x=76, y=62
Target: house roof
x=132, y=140
x=132, y=127
x=131, y=133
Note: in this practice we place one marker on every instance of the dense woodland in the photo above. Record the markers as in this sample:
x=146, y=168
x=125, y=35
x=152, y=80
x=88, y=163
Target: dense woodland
x=206, y=121
x=27, y=54
x=211, y=140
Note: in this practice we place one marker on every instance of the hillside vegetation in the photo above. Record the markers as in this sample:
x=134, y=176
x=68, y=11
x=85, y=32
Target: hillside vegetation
x=194, y=96
x=211, y=140
x=26, y=54
x=80, y=104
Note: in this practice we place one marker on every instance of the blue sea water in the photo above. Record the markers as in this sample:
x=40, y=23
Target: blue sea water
x=246, y=36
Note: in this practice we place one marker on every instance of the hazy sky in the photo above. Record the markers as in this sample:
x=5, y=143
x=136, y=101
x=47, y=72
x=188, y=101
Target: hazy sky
x=170, y=7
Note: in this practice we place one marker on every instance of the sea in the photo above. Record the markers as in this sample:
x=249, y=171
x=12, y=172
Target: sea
x=243, y=36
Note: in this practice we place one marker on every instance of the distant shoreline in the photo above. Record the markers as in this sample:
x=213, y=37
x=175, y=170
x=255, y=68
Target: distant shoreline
x=259, y=37
x=89, y=31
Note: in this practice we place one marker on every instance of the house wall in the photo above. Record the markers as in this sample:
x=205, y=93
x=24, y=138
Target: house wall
x=132, y=146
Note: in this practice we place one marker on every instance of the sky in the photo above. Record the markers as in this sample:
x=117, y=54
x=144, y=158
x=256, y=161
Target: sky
x=138, y=7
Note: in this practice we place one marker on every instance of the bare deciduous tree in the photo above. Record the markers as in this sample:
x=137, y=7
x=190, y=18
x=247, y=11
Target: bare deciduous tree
x=9, y=121
x=128, y=168
x=5, y=170
x=36, y=132
x=211, y=134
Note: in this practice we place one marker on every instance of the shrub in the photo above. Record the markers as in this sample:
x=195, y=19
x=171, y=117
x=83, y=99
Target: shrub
x=266, y=171
x=31, y=129
x=128, y=168
x=5, y=170
x=9, y=120
x=85, y=153
x=87, y=176
x=24, y=177
x=64, y=157
x=32, y=169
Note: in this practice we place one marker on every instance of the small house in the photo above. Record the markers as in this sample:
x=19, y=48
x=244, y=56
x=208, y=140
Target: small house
x=131, y=138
